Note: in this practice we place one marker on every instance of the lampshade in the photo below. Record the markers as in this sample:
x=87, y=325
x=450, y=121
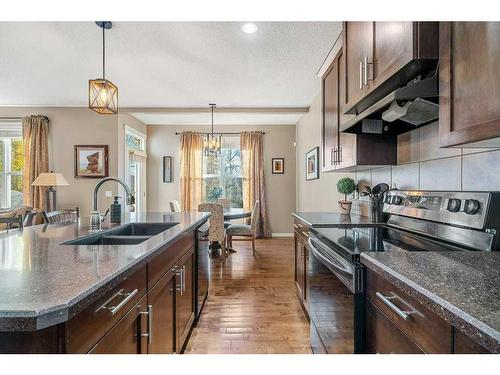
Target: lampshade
x=50, y=179
x=103, y=96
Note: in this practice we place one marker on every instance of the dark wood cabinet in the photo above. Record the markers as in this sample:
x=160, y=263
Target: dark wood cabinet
x=383, y=336
x=301, y=264
x=125, y=337
x=381, y=56
x=330, y=113
x=184, y=299
x=161, y=300
x=469, y=84
x=344, y=151
x=463, y=344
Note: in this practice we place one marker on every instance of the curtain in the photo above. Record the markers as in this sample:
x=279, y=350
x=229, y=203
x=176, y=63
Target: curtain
x=252, y=161
x=36, y=158
x=191, y=170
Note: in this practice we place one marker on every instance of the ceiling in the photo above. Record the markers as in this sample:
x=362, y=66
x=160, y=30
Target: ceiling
x=165, y=64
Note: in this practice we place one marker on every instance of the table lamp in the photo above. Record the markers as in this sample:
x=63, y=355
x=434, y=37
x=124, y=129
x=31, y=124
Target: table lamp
x=50, y=179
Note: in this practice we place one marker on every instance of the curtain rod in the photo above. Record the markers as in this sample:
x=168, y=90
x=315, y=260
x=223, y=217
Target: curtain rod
x=221, y=133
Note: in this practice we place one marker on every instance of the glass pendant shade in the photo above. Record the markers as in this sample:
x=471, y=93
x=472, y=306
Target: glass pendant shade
x=103, y=96
x=212, y=142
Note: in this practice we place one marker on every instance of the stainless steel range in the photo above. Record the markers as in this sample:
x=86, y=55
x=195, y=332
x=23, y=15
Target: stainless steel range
x=417, y=221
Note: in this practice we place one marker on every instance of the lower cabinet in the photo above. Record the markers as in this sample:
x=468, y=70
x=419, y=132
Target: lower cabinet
x=383, y=336
x=161, y=303
x=398, y=323
x=184, y=299
x=125, y=337
x=301, y=265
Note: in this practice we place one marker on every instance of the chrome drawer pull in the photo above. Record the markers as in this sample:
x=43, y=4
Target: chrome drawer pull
x=149, y=313
x=387, y=300
x=114, y=309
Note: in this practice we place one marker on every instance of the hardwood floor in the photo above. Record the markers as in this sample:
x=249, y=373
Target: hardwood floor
x=252, y=306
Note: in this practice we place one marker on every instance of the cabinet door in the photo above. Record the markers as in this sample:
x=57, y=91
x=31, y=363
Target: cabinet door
x=299, y=267
x=330, y=116
x=125, y=336
x=383, y=337
x=347, y=142
x=305, y=284
x=184, y=299
x=358, y=45
x=161, y=307
x=392, y=49
x=469, y=83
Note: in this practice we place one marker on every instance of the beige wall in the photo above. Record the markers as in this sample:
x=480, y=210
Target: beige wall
x=280, y=189
x=69, y=127
x=321, y=194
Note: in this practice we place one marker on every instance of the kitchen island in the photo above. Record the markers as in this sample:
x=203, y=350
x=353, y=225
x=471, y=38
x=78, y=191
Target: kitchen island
x=67, y=298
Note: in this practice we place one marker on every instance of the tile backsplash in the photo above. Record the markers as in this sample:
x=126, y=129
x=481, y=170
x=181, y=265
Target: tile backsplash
x=423, y=165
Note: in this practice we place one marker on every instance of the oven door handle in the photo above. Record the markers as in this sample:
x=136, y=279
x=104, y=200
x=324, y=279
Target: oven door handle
x=336, y=263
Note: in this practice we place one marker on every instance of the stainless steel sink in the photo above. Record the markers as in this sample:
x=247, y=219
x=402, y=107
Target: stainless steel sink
x=128, y=234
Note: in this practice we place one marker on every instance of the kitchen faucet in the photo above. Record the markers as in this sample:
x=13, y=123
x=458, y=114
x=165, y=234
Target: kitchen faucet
x=95, y=216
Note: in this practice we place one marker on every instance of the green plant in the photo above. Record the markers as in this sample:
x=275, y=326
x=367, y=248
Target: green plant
x=346, y=186
x=214, y=194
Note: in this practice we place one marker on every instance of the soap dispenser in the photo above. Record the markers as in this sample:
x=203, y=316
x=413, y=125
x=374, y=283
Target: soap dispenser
x=115, y=216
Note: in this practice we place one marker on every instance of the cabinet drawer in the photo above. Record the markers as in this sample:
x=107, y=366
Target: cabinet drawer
x=301, y=229
x=162, y=263
x=85, y=329
x=430, y=332
x=383, y=336
x=463, y=344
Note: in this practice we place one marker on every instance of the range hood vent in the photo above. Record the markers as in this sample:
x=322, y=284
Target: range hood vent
x=403, y=110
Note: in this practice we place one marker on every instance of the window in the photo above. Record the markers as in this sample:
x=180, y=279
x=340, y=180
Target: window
x=222, y=174
x=135, y=166
x=11, y=165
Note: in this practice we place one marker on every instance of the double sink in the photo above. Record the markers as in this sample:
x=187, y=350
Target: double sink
x=128, y=234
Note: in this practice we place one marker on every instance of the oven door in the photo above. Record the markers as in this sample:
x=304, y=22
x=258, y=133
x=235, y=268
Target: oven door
x=335, y=310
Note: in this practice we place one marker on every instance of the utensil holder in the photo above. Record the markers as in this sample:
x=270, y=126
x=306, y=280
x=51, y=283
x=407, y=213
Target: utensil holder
x=377, y=210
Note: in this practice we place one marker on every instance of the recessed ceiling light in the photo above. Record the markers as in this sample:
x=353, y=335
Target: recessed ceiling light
x=249, y=28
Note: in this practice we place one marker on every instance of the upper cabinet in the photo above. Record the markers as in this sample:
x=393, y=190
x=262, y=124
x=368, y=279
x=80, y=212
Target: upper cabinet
x=344, y=151
x=381, y=56
x=469, y=84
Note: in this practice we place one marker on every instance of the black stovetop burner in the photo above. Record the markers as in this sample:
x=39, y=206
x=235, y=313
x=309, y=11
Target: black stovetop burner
x=353, y=241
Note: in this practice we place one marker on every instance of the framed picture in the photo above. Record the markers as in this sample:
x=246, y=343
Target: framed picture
x=312, y=164
x=167, y=169
x=91, y=161
x=278, y=165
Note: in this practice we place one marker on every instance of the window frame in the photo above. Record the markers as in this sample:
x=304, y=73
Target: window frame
x=6, y=173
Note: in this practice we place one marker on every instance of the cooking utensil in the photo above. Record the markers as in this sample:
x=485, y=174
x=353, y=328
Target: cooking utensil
x=379, y=190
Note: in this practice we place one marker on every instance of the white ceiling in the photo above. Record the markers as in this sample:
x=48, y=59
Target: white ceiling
x=165, y=64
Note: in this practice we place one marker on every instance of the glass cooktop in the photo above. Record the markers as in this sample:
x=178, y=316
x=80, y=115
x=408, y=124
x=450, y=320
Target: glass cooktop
x=353, y=241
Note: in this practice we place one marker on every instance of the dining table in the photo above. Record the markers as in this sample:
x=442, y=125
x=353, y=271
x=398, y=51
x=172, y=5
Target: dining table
x=236, y=213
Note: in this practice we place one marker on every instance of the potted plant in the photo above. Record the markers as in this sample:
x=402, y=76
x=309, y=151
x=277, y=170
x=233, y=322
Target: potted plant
x=345, y=186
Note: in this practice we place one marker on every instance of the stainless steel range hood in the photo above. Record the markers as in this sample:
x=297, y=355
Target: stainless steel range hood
x=403, y=110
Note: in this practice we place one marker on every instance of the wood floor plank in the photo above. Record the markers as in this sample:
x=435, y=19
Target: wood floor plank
x=252, y=307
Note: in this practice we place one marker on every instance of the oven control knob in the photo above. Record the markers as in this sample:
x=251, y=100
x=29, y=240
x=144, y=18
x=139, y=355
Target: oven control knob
x=471, y=206
x=397, y=200
x=454, y=205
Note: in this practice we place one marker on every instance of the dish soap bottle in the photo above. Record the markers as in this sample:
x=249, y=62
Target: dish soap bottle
x=115, y=216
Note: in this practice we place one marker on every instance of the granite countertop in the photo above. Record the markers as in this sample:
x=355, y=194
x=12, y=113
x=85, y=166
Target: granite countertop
x=44, y=283
x=319, y=219
x=463, y=287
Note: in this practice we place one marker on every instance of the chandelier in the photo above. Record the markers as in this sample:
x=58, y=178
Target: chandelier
x=212, y=143
x=103, y=94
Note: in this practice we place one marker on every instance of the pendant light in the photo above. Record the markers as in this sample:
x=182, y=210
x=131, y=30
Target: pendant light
x=212, y=144
x=103, y=94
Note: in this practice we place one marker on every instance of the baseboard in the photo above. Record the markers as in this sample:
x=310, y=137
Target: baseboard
x=275, y=235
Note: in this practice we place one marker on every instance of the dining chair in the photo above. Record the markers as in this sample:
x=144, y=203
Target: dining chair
x=175, y=206
x=226, y=202
x=66, y=216
x=247, y=232
x=216, y=230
